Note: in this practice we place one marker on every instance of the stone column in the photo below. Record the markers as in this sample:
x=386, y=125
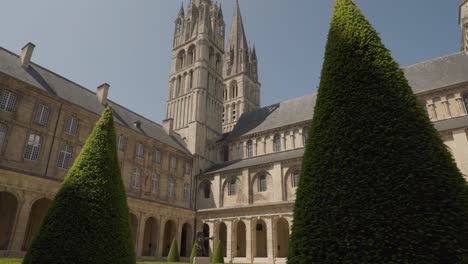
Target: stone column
x=270, y=242
x=431, y=110
x=461, y=105
x=212, y=234
x=446, y=107
x=248, y=239
x=140, y=235
x=229, y=226
x=160, y=245
x=21, y=224
x=254, y=143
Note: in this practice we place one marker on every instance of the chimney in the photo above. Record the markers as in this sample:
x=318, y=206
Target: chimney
x=102, y=92
x=26, y=54
x=168, y=125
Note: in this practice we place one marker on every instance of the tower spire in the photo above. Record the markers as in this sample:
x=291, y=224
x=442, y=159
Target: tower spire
x=181, y=11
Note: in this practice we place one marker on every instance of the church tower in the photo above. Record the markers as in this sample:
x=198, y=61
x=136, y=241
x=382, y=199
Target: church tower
x=242, y=89
x=464, y=25
x=195, y=96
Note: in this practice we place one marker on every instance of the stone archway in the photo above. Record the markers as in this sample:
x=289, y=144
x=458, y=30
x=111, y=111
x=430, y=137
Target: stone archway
x=281, y=238
x=169, y=235
x=150, y=238
x=221, y=237
x=260, y=239
x=206, y=243
x=241, y=245
x=186, y=240
x=8, y=209
x=37, y=214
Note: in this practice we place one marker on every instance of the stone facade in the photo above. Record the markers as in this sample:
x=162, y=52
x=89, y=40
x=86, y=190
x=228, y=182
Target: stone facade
x=219, y=165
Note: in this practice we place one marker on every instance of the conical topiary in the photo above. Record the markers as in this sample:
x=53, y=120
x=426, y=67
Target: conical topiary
x=218, y=255
x=377, y=183
x=193, y=254
x=88, y=221
x=173, y=255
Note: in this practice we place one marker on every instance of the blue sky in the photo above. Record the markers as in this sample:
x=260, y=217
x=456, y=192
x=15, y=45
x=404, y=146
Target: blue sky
x=128, y=43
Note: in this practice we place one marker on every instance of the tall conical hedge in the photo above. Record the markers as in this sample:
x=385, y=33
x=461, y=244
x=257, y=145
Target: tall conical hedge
x=218, y=256
x=173, y=255
x=377, y=183
x=194, y=252
x=88, y=221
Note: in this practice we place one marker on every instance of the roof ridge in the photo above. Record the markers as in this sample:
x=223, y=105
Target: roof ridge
x=80, y=86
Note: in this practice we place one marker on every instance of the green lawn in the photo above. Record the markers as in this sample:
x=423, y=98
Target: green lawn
x=18, y=261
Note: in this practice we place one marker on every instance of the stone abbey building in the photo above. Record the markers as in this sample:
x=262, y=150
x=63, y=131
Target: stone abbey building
x=219, y=164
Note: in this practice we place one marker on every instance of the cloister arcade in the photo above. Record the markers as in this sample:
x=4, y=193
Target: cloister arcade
x=261, y=239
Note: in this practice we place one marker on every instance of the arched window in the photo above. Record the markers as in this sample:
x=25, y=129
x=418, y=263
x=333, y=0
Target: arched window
x=465, y=101
x=206, y=190
x=191, y=80
x=232, y=187
x=277, y=143
x=171, y=191
x=33, y=147
x=262, y=183
x=180, y=60
x=211, y=56
x=178, y=84
x=249, y=149
x=136, y=178
x=3, y=134
x=295, y=178
x=218, y=62
x=305, y=134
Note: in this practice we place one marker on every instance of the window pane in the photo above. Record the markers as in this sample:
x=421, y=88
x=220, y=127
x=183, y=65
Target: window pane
x=7, y=101
x=155, y=183
x=277, y=143
x=121, y=142
x=249, y=149
x=65, y=156
x=71, y=125
x=262, y=187
x=41, y=114
x=32, y=148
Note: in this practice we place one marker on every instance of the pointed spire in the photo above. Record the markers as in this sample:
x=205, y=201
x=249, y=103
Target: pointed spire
x=254, y=53
x=220, y=15
x=237, y=42
x=181, y=11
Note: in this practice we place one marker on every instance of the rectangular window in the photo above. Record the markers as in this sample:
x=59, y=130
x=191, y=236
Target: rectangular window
x=173, y=163
x=136, y=178
x=33, y=147
x=65, y=156
x=186, y=192
x=7, y=101
x=171, y=191
x=71, y=125
x=121, y=142
x=157, y=157
x=140, y=151
x=41, y=114
x=188, y=169
x=155, y=183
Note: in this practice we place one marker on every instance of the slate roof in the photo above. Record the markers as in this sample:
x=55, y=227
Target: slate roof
x=289, y=112
x=58, y=86
x=438, y=73
x=238, y=164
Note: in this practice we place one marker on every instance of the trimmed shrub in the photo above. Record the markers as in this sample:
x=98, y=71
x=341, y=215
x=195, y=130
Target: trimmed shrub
x=88, y=221
x=377, y=183
x=193, y=254
x=218, y=256
x=173, y=255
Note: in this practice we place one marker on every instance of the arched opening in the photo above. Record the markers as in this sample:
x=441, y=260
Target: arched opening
x=191, y=55
x=206, y=242
x=150, y=238
x=260, y=239
x=38, y=212
x=180, y=60
x=186, y=240
x=169, y=235
x=249, y=149
x=282, y=238
x=222, y=238
x=211, y=56
x=241, y=245
x=8, y=208
x=134, y=226
x=218, y=62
